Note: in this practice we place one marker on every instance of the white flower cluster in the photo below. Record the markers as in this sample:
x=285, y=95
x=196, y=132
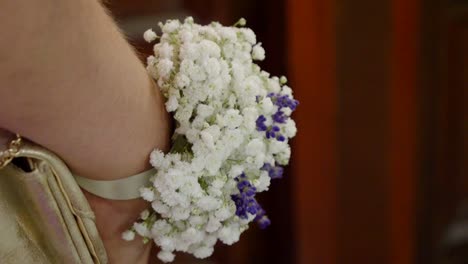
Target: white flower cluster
x=232, y=119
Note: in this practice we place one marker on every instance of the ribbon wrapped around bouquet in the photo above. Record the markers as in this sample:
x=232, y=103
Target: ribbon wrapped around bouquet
x=232, y=130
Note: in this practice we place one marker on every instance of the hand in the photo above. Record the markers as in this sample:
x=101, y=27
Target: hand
x=112, y=219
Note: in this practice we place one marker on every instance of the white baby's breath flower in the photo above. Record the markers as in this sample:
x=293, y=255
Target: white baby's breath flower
x=188, y=20
x=188, y=53
x=192, y=187
x=255, y=147
x=141, y=229
x=210, y=240
x=203, y=252
x=209, y=33
x=258, y=53
x=214, y=131
x=267, y=105
x=286, y=90
x=186, y=36
x=149, y=35
x=156, y=48
x=249, y=35
x=212, y=190
x=150, y=60
x=287, y=111
x=229, y=234
x=215, y=163
x=283, y=80
x=250, y=117
x=192, y=235
x=145, y=214
x=128, y=235
x=197, y=73
x=198, y=164
x=182, y=81
x=242, y=22
x=225, y=212
x=167, y=243
x=197, y=220
x=160, y=227
x=166, y=51
x=259, y=160
x=180, y=213
x=164, y=68
x=204, y=110
x=227, y=130
x=159, y=207
x=284, y=156
x=171, y=26
x=236, y=170
x=274, y=85
x=147, y=194
x=233, y=118
x=209, y=48
x=175, y=178
x=290, y=128
x=166, y=256
x=157, y=159
x=229, y=50
x=183, y=246
x=207, y=139
x=263, y=182
x=192, y=135
x=208, y=203
x=172, y=104
x=212, y=67
x=277, y=146
x=228, y=34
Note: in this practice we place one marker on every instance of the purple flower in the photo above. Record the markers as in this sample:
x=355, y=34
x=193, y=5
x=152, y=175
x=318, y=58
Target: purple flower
x=293, y=105
x=283, y=101
x=270, y=134
x=262, y=220
x=247, y=204
x=279, y=117
x=261, y=123
x=275, y=172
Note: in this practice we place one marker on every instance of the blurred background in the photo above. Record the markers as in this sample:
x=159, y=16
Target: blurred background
x=379, y=167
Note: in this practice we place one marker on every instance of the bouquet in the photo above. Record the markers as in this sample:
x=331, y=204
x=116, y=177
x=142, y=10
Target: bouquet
x=231, y=138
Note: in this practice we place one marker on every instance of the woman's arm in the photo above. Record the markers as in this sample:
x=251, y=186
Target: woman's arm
x=70, y=82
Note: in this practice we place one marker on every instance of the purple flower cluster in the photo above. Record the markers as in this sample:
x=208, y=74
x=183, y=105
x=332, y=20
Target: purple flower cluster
x=245, y=201
x=279, y=117
x=283, y=101
x=262, y=220
x=275, y=172
x=247, y=204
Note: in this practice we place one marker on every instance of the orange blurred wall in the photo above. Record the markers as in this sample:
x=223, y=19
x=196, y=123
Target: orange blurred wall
x=326, y=180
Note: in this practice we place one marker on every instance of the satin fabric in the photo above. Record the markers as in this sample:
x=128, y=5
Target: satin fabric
x=121, y=189
x=44, y=216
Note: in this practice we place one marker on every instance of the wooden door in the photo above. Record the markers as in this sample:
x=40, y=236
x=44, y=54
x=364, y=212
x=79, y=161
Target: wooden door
x=442, y=214
x=380, y=169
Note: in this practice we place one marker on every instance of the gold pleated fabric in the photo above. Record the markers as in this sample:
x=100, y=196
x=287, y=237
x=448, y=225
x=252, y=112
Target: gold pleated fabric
x=44, y=216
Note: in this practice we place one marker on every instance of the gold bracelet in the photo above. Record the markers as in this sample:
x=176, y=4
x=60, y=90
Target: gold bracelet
x=8, y=155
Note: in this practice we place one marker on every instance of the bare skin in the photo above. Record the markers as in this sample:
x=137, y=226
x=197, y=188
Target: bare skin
x=70, y=82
